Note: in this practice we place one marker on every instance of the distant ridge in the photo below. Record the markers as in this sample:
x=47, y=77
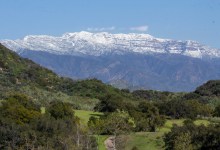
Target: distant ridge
x=134, y=61
x=96, y=44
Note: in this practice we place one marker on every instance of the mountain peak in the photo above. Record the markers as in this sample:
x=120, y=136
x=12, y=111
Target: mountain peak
x=97, y=44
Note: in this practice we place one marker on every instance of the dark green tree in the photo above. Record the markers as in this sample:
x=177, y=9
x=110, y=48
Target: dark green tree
x=147, y=118
x=60, y=110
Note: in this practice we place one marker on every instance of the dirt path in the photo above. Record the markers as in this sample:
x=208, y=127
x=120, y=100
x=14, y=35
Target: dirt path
x=109, y=143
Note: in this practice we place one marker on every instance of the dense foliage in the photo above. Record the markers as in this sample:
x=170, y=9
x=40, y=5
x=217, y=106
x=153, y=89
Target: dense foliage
x=114, y=123
x=145, y=115
x=184, y=109
x=23, y=126
x=211, y=88
x=217, y=111
x=192, y=137
x=151, y=95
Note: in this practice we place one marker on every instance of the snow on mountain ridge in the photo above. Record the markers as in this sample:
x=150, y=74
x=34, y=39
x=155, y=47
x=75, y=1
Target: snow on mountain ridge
x=87, y=43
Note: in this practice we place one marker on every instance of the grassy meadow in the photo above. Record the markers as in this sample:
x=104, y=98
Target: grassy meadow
x=85, y=115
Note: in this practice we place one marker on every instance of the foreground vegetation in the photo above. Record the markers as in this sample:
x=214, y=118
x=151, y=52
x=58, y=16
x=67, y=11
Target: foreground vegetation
x=141, y=140
x=23, y=126
x=36, y=112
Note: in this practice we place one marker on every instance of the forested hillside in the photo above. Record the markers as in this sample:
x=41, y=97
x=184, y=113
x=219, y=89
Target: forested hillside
x=18, y=74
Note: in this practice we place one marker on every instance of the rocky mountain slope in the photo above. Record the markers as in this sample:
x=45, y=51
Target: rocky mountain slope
x=125, y=60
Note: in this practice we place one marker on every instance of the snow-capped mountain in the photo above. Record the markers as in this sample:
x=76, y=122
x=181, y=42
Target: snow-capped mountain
x=96, y=44
x=125, y=60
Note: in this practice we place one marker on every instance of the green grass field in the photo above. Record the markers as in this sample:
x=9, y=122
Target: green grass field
x=85, y=115
x=145, y=141
x=169, y=123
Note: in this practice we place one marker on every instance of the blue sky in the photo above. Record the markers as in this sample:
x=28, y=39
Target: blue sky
x=175, y=19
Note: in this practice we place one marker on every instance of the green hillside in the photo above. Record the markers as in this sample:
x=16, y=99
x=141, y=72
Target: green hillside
x=17, y=72
x=42, y=85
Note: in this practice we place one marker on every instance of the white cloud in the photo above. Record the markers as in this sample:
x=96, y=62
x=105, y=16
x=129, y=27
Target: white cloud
x=142, y=28
x=101, y=29
x=139, y=28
